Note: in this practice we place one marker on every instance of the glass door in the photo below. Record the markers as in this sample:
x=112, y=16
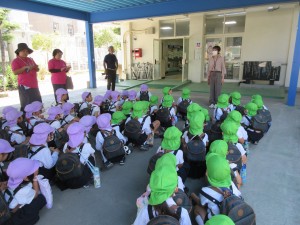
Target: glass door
x=209, y=44
x=157, y=59
x=233, y=49
x=185, y=59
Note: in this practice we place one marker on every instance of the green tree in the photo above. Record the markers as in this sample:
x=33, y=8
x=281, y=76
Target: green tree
x=43, y=42
x=6, y=28
x=107, y=37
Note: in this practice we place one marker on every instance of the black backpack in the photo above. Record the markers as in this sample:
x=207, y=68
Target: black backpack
x=144, y=96
x=112, y=146
x=152, y=162
x=183, y=200
x=183, y=105
x=234, y=207
x=240, y=109
x=266, y=115
x=234, y=155
x=195, y=149
x=68, y=166
x=83, y=112
x=258, y=123
x=21, y=151
x=163, y=114
x=4, y=134
x=133, y=128
x=163, y=219
x=104, y=108
x=4, y=209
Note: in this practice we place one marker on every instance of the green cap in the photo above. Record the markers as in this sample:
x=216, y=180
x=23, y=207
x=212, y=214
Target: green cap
x=145, y=106
x=230, y=129
x=220, y=220
x=193, y=107
x=258, y=102
x=126, y=107
x=219, y=147
x=236, y=98
x=117, y=117
x=235, y=116
x=218, y=171
x=163, y=182
x=168, y=101
x=171, y=140
x=196, y=123
x=138, y=110
x=256, y=97
x=185, y=93
x=223, y=101
x=251, y=109
x=166, y=160
x=166, y=90
x=206, y=114
x=153, y=100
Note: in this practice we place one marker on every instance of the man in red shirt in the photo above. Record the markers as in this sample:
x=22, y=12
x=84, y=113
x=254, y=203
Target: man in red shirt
x=26, y=69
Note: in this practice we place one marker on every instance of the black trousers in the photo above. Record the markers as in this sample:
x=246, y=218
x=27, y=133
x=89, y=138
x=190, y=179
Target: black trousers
x=57, y=86
x=29, y=214
x=28, y=95
x=111, y=79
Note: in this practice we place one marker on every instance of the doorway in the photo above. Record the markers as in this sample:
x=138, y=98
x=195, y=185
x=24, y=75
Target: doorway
x=172, y=54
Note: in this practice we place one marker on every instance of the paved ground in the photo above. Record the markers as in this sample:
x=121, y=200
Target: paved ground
x=272, y=186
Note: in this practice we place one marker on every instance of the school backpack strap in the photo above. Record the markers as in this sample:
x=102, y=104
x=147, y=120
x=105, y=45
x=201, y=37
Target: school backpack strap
x=150, y=212
x=32, y=153
x=212, y=199
x=175, y=152
x=143, y=121
x=12, y=195
x=64, y=120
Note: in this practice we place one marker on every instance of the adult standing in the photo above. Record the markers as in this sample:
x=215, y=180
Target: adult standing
x=216, y=73
x=26, y=69
x=110, y=64
x=58, y=69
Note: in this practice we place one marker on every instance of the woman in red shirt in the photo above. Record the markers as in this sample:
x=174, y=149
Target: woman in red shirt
x=58, y=69
x=26, y=69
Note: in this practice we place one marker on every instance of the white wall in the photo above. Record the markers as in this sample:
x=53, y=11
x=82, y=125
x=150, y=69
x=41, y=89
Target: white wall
x=267, y=37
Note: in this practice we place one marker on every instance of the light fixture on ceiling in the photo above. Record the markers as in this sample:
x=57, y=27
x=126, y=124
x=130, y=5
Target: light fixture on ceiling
x=230, y=22
x=166, y=28
x=272, y=8
x=232, y=14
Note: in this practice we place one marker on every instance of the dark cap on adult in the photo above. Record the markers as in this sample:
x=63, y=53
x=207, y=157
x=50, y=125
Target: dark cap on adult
x=22, y=46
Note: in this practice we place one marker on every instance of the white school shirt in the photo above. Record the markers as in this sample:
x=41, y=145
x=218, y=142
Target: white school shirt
x=45, y=157
x=17, y=137
x=245, y=121
x=143, y=216
x=84, y=105
x=117, y=129
x=180, y=100
x=86, y=152
x=186, y=138
x=242, y=133
x=23, y=197
x=67, y=119
x=113, y=105
x=153, y=108
x=218, y=113
x=138, y=95
x=146, y=127
x=100, y=139
x=95, y=109
x=240, y=148
x=211, y=206
x=32, y=121
x=179, y=157
x=4, y=121
x=56, y=124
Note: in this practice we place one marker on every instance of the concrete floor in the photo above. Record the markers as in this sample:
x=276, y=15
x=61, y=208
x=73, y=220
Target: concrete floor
x=272, y=188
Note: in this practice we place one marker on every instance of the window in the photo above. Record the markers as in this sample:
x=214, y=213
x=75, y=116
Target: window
x=182, y=27
x=70, y=29
x=166, y=28
x=174, y=28
x=55, y=27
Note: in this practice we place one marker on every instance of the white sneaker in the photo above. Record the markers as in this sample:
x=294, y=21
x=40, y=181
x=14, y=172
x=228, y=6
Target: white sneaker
x=212, y=106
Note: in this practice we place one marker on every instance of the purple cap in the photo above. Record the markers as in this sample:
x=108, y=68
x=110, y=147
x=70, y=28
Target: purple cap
x=12, y=117
x=33, y=107
x=124, y=93
x=5, y=146
x=84, y=95
x=114, y=95
x=19, y=169
x=88, y=121
x=60, y=92
x=6, y=110
x=98, y=100
x=103, y=121
x=40, y=134
x=108, y=92
x=132, y=95
x=76, y=134
x=106, y=97
x=144, y=87
x=67, y=108
x=54, y=111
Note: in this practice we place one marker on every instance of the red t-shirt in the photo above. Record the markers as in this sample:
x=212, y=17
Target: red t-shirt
x=59, y=77
x=29, y=78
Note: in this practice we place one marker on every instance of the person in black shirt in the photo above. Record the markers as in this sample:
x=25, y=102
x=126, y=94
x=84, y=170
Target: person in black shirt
x=110, y=64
